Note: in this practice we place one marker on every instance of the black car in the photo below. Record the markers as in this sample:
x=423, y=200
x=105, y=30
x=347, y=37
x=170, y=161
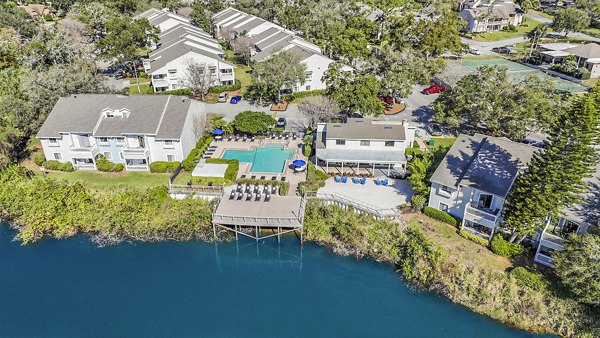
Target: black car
x=281, y=123
x=501, y=50
x=435, y=129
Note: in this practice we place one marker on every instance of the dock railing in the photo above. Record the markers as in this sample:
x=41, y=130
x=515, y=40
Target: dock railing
x=356, y=204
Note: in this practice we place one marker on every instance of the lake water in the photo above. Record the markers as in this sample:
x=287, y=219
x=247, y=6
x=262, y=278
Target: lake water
x=71, y=288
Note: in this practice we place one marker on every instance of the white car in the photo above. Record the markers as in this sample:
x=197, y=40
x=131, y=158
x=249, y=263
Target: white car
x=474, y=51
x=223, y=97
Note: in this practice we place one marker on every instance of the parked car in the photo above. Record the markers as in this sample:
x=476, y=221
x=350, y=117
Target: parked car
x=281, y=123
x=235, y=99
x=535, y=143
x=435, y=129
x=474, y=51
x=433, y=89
x=501, y=50
x=223, y=97
x=387, y=100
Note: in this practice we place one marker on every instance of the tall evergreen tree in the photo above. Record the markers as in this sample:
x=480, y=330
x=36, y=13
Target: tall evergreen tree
x=555, y=177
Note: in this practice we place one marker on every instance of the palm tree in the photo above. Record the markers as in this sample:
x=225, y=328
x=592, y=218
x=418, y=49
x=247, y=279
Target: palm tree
x=535, y=35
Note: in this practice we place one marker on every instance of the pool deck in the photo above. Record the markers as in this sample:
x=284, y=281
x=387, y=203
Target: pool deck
x=292, y=177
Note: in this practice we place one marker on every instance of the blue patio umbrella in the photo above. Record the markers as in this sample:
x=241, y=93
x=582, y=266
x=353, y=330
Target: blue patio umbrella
x=299, y=163
x=218, y=132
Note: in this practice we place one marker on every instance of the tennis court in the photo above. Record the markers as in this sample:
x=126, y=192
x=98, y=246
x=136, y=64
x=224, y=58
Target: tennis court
x=517, y=71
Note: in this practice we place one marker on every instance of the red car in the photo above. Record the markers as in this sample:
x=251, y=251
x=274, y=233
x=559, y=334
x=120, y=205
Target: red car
x=433, y=89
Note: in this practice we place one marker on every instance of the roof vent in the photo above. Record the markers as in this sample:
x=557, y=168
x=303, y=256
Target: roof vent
x=111, y=113
x=387, y=127
x=337, y=125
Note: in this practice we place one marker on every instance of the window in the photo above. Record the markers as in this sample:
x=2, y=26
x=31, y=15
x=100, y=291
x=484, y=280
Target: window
x=365, y=143
x=444, y=207
x=389, y=143
x=307, y=87
x=53, y=142
x=308, y=76
x=227, y=71
x=141, y=142
x=485, y=201
x=174, y=86
x=172, y=71
x=103, y=139
x=121, y=156
x=171, y=158
x=159, y=76
x=107, y=155
x=120, y=140
x=213, y=71
x=446, y=189
x=58, y=156
x=340, y=142
x=169, y=144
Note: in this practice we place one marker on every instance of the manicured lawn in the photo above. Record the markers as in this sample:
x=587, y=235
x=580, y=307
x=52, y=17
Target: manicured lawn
x=543, y=15
x=528, y=25
x=590, y=82
x=241, y=73
x=442, y=142
x=144, y=89
x=593, y=32
x=140, y=80
x=93, y=179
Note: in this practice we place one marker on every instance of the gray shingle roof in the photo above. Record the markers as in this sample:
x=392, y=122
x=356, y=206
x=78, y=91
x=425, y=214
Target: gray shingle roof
x=588, y=211
x=365, y=129
x=483, y=162
x=273, y=39
x=250, y=25
x=159, y=115
x=588, y=51
x=160, y=57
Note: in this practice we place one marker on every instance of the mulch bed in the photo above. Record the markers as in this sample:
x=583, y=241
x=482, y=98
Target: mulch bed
x=282, y=106
x=398, y=107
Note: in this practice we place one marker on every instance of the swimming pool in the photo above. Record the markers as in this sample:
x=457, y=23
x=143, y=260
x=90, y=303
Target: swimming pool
x=266, y=159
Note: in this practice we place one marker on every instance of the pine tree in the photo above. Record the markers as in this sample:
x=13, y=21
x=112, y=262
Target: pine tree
x=554, y=180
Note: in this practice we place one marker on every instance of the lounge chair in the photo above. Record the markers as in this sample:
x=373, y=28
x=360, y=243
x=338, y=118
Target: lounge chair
x=385, y=182
x=363, y=181
x=266, y=189
x=377, y=181
x=344, y=179
x=240, y=195
x=279, y=136
x=248, y=196
x=253, y=177
x=243, y=176
x=237, y=138
x=338, y=179
x=273, y=178
x=247, y=190
x=273, y=189
x=245, y=138
x=239, y=188
x=252, y=139
x=229, y=138
x=295, y=136
x=355, y=180
x=267, y=197
x=273, y=136
x=262, y=178
x=287, y=136
x=232, y=195
x=256, y=189
x=282, y=178
x=257, y=196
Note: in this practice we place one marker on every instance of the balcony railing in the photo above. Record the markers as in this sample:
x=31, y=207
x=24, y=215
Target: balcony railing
x=486, y=214
x=543, y=259
x=136, y=152
x=556, y=240
x=90, y=151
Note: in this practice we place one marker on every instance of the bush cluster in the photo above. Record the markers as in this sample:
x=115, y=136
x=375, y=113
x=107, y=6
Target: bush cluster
x=505, y=249
x=56, y=165
x=102, y=164
x=39, y=160
x=163, y=167
x=413, y=151
x=228, y=88
x=473, y=238
x=442, y=216
x=233, y=166
x=196, y=154
x=183, y=92
x=529, y=279
x=284, y=187
x=315, y=179
x=299, y=95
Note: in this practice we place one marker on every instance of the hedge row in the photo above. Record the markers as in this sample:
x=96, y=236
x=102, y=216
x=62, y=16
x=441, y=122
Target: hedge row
x=473, y=238
x=196, y=153
x=102, y=164
x=182, y=91
x=56, y=165
x=442, y=216
x=284, y=187
x=233, y=166
x=413, y=151
x=228, y=88
x=298, y=95
x=503, y=248
x=163, y=167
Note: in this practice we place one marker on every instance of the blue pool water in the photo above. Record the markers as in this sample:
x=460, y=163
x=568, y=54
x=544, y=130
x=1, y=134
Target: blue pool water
x=71, y=288
x=266, y=159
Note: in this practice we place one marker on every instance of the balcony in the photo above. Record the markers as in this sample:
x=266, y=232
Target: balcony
x=543, y=259
x=134, y=152
x=552, y=241
x=482, y=216
x=84, y=152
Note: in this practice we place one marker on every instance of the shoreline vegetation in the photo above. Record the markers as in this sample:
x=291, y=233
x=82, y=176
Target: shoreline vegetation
x=39, y=207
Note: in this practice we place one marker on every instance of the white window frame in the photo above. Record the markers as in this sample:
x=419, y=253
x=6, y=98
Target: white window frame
x=59, y=157
x=100, y=140
x=169, y=145
x=109, y=157
x=442, y=205
x=340, y=142
x=53, y=142
x=389, y=143
x=170, y=158
x=446, y=189
x=365, y=143
x=120, y=140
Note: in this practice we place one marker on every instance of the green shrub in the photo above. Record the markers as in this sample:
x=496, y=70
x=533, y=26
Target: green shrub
x=413, y=151
x=505, y=249
x=211, y=181
x=189, y=162
x=526, y=278
x=228, y=88
x=417, y=202
x=583, y=74
x=56, y=165
x=416, y=144
x=183, y=92
x=321, y=175
x=102, y=164
x=163, y=167
x=39, y=160
x=196, y=154
x=442, y=216
x=233, y=166
x=473, y=238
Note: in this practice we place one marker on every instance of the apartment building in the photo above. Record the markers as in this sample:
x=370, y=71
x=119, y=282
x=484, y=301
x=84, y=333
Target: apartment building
x=490, y=15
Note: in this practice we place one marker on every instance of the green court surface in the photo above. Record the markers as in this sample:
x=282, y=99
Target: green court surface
x=518, y=71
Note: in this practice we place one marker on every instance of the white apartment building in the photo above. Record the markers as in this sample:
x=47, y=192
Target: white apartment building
x=181, y=44
x=134, y=130
x=490, y=15
x=367, y=143
x=268, y=39
x=474, y=179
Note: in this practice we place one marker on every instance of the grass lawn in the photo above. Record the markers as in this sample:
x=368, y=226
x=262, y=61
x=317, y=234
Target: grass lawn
x=595, y=32
x=133, y=179
x=442, y=142
x=144, y=89
x=590, y=82
x=543, y=15
x=140, y=80
x=528, y=25
x=241, y=73
x=458, y=248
